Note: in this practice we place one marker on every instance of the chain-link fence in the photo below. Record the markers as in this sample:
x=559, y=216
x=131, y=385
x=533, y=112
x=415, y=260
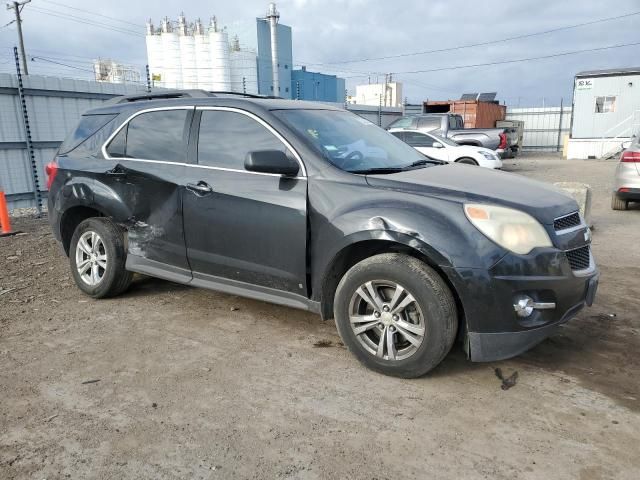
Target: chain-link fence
x=544, y=127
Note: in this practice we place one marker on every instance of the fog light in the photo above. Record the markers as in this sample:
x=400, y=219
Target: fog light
x=525, y=306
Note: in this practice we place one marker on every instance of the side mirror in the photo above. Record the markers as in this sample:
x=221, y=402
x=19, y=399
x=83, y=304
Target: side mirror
x=437, y=145
x=271, y=161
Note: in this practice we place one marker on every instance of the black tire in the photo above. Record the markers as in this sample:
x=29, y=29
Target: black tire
x=467, y=161
x=431, y=294
x=617, y=203
x=115, y=278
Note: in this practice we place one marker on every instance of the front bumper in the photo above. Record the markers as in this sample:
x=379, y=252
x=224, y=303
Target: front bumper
x=486, y=347
x=494, y=330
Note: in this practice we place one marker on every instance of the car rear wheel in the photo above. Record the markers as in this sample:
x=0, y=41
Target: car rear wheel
x=396, y=315
x=467, y=161
x=97, y=257
x=617, y=203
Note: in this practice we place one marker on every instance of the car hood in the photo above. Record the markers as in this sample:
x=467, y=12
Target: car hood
x=466, y=183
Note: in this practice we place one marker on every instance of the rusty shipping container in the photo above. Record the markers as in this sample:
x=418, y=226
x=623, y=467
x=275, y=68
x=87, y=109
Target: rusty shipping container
x=476, y=114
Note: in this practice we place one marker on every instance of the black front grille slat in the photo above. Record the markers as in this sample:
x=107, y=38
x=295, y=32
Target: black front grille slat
x=568, y=221
x=579, y=259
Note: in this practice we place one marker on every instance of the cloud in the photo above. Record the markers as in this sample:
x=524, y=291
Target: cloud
x=328, y=31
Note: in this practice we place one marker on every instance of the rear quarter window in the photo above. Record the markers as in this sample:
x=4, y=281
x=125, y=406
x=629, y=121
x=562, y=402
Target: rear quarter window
x=87, y=127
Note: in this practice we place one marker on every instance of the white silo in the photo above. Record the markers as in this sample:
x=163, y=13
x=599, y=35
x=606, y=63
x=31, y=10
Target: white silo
x=244, y=69
x=172, y=65
x=203, y=57
x=154, y=55
x=220, y=64
x=187, y=54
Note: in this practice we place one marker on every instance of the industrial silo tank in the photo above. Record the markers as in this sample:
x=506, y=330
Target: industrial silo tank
x=155, y=60
x=220, y=63
x=172, y=65
x=244, y=66
x=203, y=62
x=188, y=61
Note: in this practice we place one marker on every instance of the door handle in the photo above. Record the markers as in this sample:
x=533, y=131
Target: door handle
x=116, y=172
x=200, y=188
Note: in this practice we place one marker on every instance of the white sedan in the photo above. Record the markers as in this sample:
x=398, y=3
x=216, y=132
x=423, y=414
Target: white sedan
x=441, y=148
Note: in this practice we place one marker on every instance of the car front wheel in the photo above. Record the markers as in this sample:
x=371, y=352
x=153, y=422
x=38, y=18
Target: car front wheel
x=396, y=315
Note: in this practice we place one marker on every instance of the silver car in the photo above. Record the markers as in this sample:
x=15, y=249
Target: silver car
x=627, y=180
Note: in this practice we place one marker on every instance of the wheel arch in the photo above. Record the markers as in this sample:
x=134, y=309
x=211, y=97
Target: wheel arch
x=360, y=249
x=466, y=157
x=71, y=218
x=469, y=143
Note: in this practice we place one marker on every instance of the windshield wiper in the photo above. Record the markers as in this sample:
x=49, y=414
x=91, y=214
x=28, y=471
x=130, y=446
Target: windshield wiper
x=373, y=171
x=425, y=161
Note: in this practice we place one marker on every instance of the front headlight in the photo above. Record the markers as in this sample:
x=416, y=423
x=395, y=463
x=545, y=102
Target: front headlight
x=512, y=229
x=487, y=155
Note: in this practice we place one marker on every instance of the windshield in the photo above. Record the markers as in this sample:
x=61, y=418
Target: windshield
x=446, y=141
x=352, y=143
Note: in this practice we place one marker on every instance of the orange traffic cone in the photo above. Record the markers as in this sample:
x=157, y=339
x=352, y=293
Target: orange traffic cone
x=5, y=222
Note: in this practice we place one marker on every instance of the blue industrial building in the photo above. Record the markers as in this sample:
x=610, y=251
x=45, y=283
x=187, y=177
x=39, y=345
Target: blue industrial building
x=285, y=59
x=316, y=86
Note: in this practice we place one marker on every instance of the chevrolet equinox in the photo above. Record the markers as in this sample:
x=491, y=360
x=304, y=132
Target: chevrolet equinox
x=312, y=207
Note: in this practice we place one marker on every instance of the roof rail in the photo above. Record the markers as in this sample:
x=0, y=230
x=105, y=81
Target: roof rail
x=241, y=94
x=160, y=95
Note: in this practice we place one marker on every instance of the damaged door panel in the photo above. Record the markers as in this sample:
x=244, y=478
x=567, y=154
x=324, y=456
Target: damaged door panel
x=144, y=168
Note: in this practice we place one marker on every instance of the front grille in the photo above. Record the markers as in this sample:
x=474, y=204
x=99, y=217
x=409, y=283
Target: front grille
x=568, y=221
x=579, y=258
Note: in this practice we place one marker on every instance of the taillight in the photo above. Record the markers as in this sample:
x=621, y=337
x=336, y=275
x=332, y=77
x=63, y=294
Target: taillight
x=51, y=170
x=503, y=141
x=630, y=157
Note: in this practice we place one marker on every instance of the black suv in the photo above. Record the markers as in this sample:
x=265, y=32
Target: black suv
x=313, y=207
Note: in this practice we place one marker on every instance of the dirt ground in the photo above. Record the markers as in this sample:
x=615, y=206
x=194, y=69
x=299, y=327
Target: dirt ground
x=168, y=381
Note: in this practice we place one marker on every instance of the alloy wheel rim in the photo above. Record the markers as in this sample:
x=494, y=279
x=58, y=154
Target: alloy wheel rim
x=91, y=258
x=386, y=320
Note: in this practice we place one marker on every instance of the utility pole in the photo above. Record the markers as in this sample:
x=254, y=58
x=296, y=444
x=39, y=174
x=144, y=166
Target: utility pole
x=148, y=79
x=16, y=7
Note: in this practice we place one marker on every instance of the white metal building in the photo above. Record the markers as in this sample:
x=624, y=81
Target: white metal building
x=386, y=94
x=107, y=70
x=606, y=111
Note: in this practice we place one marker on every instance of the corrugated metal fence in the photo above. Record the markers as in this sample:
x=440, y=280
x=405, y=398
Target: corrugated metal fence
x=544, y=127
x=54, y=106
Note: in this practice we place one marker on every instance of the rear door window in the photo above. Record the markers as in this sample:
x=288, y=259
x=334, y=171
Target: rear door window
x=226, y=137
x=159, y=135
x=117, y=146
x=418, y=140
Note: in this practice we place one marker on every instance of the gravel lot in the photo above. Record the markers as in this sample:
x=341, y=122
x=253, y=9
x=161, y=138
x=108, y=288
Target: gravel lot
x=174, y=382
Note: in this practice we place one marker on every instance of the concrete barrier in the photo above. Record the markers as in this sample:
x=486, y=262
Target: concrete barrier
x=581, y=192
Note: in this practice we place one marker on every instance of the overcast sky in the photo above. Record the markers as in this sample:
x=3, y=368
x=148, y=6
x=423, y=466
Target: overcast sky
x=328, y=31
